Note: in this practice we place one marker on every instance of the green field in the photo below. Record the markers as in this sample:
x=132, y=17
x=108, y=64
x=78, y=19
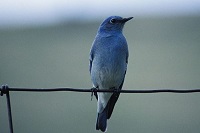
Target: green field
x=164, y=53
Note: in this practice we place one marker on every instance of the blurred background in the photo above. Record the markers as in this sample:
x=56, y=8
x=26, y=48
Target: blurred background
x=46, y=44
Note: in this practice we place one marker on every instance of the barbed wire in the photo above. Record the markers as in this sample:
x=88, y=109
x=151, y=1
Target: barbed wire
x=5, y=90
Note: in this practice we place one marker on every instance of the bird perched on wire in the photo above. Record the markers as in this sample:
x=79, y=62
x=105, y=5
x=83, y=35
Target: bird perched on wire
x=108, y=65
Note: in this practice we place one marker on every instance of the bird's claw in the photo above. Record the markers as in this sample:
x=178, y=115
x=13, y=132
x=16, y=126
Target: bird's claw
x=94, y=92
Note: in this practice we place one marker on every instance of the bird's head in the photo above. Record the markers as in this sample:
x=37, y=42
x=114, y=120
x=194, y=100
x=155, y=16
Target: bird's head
x=113, y=24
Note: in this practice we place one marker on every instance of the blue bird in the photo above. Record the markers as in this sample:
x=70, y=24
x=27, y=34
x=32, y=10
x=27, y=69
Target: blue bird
x=108, y=65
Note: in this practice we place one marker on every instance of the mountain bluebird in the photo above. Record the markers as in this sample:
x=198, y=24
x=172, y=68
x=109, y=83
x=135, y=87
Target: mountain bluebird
x=108, y=64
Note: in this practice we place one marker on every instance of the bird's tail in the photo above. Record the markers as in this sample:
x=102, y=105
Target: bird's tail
x=101, y=123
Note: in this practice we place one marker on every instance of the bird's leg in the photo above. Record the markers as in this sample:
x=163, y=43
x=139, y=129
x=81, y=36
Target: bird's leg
x=94, y=91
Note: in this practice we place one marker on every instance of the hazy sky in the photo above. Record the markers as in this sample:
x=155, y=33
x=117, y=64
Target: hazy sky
x=24, y=12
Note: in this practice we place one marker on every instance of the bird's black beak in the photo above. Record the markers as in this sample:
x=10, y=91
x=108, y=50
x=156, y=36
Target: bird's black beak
x=126, y=19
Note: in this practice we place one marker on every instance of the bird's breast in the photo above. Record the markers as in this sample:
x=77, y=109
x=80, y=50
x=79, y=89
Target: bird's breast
x=108, y=71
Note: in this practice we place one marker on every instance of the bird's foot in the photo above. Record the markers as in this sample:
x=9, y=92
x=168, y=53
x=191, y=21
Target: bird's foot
x=94, y=92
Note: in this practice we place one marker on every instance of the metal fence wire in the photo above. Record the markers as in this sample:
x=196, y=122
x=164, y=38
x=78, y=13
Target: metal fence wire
x=5, y=90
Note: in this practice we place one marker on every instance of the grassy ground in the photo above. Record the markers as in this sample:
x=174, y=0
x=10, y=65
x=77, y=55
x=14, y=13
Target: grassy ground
x=164, y=53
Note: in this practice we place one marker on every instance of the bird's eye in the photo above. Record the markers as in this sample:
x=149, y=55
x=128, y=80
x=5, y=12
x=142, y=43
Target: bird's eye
x=112, y=21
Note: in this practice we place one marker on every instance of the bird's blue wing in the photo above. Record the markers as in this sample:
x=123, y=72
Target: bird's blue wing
x=91, y=58
x=113, y=99
x=90, y=66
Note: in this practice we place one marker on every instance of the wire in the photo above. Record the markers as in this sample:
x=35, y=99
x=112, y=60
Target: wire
x=9, y=112
x=109, y=91
x=5, y=90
